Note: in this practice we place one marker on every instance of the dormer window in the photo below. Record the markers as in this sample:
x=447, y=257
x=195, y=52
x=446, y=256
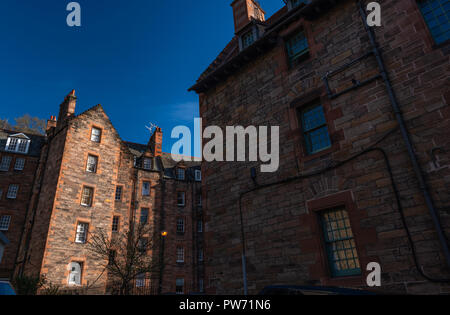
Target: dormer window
x=248, y=39
x=147, y=163
x=18, y=143
x=292, y=4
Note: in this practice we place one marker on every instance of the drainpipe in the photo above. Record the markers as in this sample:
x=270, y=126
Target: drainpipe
x=406, y=137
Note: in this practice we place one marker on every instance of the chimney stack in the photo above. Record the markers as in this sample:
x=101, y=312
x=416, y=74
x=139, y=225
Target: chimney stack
x=246, y=11
x=155, y=142
x=67, y=108
x=51, y=123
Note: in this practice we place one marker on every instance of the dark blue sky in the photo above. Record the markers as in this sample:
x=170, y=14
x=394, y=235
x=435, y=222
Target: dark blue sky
x=137, y=58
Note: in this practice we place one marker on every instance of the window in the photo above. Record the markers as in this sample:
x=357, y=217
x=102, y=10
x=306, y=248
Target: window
x=180, y=226
x=18, y=145
x=144, y=216
x=5, y=220
x=180, y=255
x=181, y=173
x=200, y=255
x=148, y=163
x=118, y=193
x=12, y=191
x=315, y=129
x=6, y=162
x=112, y=257
x=86, y=197
x=91, y=166
x=248, y=39
x=20, y=164
x=436, y=14
x=96, y=135
x=140, y=280
x=142, y=245
x=198, y=175
x=340, y=244
x=200, y=226
x=75, y=273
x=82, y=231
x=297, y=47
x=179, y=286
x=116, y=224
x=146, y=189
x=199, y=200
x=181, y=199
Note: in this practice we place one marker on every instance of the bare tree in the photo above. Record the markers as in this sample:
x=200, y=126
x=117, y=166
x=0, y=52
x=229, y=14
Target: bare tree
x=4, y=124
x=127, y=255
x=26, y=123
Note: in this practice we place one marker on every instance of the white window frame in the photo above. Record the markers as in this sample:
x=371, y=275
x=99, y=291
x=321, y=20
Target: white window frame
x=179, y=283
x=180, y=223
x=198, y=175
x=183, y=195
x=75, y=270
x=19, y=165
x=180, y=255
x=91, y=196
x=82, y=233
x=90, y=163
x=5, y=164
x=97, y=138
x=13, y=190
x=147, y=164
x=18, y=143
x=5, y=222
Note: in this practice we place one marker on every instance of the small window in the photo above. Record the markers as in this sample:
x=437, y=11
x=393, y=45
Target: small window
x=436, y=14
x=12, y=191
x=116, y=224
x=180, y=226
x=179, y=286
x=91, y=166
x=181, y=199
x=140, y=280
x=5, y=220
x=146, y=189
x=248, y=39
x=18, y=145
x=75, y=273
x=180, y=255
x=82, y=232
x=148, y=163
x=200, y=226
x=340, y=243
x=20, y=164
x=87, y=196
x=198, y=175
x=143, y=245
x=144, y=216
x=181, y=173
x=315, y=129
x=118, y=193
x=6, y=162
x=96, y=135
x=297, y=47
x=200, y=255
x=199, y=200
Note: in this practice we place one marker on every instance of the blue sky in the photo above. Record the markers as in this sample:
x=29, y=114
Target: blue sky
x=137, y=58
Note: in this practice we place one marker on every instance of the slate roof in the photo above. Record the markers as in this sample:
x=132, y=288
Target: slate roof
x=36, y=141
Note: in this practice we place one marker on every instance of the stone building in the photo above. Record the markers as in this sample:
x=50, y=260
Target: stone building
x=364, y=171
x=88, y=179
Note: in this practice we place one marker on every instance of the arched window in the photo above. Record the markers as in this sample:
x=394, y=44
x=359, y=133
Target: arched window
x=75, y=273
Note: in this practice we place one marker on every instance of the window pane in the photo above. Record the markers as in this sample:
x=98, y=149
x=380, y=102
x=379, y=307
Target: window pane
x=340, y=244
x=297, y=46
x=86, y=199
x=248, y=39
x=82, y=230
x=147, y=163
x=96, y=135
x=436, y=14
x=4, y=222
x=181, y=198
x=20, y=164
x=115, y=224
x=315, y=129
x=92, y=164
x=6, y=162
x=12, y=191
x=146, y=189
x=118, y=193
x=144, y=216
